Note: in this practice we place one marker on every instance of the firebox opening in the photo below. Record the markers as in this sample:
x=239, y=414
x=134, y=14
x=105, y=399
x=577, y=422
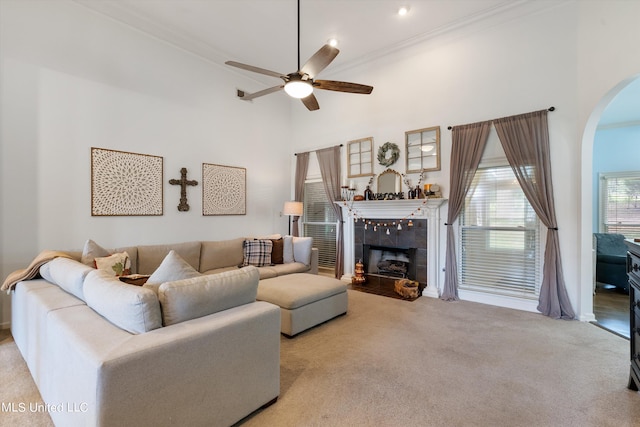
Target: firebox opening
x=389, y=262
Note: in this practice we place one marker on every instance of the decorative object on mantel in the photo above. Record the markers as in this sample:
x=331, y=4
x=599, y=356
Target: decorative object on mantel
x=435, y=191
x=413, y=193
x=125, y=184
x=183, y=182
x=223, y=190
x=388, y=154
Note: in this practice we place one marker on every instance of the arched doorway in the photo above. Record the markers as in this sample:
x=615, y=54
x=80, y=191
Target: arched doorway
x=610, y=112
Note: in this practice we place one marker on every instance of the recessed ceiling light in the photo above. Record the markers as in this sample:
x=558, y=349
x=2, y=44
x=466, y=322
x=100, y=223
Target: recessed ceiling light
x=333, y=42
x=403, y=10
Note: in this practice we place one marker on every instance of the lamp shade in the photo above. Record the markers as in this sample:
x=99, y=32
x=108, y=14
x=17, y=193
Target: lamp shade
x=292, y=208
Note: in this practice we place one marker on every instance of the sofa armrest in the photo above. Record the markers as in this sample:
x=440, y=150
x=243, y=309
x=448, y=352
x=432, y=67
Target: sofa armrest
x=314, y=261
x=190, y=373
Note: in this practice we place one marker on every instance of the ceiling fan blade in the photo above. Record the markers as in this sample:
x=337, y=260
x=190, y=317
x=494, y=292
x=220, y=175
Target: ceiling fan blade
x=255, y=69
x=310, y=102
x=342, y=86
x=319, y=60
x=249, y=96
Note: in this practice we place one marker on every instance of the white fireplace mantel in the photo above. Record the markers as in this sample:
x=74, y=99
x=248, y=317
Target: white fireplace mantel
x=428, y=209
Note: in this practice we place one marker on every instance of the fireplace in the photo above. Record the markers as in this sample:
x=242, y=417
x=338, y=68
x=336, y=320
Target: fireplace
x=389, y=253
x=423, y=237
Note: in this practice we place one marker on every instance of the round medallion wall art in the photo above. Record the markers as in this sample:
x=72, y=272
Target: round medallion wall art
x=223, y=190
x=388, y=154
x=125, y=184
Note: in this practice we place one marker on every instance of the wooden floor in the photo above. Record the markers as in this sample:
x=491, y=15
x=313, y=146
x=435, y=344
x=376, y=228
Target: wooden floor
x=611, y=308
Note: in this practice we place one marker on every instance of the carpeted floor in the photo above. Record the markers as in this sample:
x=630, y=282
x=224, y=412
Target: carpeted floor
x=429, y=363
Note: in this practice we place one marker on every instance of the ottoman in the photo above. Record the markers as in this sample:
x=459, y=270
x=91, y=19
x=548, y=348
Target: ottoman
x=305, y=300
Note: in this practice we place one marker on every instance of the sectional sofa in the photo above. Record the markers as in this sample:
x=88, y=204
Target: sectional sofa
x=199, y=350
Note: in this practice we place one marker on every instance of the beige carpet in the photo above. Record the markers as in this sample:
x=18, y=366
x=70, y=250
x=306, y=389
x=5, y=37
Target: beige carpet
x=428, y=363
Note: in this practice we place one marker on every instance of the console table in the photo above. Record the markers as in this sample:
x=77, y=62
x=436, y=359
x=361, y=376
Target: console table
x=633, y=271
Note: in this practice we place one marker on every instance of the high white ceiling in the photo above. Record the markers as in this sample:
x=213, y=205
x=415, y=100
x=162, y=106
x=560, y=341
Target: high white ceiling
x=263, y=33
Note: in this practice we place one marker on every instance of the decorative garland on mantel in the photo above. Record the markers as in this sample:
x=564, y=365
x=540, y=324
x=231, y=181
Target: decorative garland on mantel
x=351, y=211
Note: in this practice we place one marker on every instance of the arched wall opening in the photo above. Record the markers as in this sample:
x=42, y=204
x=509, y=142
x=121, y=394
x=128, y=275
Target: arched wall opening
x=587, y=262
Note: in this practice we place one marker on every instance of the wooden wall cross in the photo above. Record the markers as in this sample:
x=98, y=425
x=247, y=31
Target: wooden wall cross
x=183, y=182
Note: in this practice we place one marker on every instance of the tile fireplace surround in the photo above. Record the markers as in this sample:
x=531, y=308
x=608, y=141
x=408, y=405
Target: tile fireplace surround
x=426, y=230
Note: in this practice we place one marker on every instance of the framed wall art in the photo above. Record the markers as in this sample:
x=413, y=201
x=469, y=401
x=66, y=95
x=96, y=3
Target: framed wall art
x=125, y=184
x=223, y=190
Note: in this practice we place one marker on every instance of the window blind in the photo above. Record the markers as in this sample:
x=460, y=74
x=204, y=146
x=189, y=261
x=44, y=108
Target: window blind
x=500, y=237
x=620, y=204
x=319, y=222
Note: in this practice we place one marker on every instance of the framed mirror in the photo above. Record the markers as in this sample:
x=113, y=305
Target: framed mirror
x=360, y=157
x=389, y=181
x=423, y=149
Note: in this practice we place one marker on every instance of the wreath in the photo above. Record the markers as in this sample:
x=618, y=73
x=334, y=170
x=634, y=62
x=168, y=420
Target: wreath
x=393, y=155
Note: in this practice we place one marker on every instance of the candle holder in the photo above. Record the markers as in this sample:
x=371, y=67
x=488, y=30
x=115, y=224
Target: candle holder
x=347, y=193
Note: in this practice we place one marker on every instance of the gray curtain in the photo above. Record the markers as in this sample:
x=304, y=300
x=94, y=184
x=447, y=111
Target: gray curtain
x=302, y=165
x=329, y=159
x=525, y=139
x=468, y=142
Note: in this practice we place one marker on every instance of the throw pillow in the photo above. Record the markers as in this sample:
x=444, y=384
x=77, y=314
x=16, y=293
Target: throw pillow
x=173, y=267
x=287, y=250
x=302, y=249
x=257, y=252
x=277, y=251
x=91, y=251
x=117, y=264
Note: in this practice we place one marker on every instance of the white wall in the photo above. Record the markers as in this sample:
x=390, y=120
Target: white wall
x=501, y=67
x=72, y=79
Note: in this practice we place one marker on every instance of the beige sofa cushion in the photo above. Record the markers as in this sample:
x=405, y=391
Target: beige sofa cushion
x=200, y=296
x=172, y=268
x=67, y=273
x=132, y=308
x=151, y=256
x=220, y=254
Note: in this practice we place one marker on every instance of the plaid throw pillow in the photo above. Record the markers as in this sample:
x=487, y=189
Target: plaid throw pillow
x=257, y=252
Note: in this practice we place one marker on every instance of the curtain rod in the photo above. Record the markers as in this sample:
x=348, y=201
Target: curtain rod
x=313, y=151
x=549, y=109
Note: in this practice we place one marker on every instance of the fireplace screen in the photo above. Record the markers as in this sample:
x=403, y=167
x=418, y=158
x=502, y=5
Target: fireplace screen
x=390, y=262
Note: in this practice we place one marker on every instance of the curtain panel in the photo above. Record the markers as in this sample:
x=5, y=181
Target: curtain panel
x=302, y=166
x=329, y=160
x=525, y=139
x=468, y=142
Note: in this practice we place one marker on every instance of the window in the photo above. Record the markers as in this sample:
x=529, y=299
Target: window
x=320, y=223
x=500, y=237
x=619, y=198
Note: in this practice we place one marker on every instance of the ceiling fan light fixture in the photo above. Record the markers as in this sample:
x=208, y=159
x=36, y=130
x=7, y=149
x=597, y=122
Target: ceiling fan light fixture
x=403, y=10
x=298, y=88
x=332, y=42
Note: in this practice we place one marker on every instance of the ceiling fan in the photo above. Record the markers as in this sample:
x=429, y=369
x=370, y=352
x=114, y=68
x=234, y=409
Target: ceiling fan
x=300, y=84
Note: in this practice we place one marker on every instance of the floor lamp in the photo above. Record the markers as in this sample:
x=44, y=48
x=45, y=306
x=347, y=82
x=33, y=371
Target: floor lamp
x=292, y=209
